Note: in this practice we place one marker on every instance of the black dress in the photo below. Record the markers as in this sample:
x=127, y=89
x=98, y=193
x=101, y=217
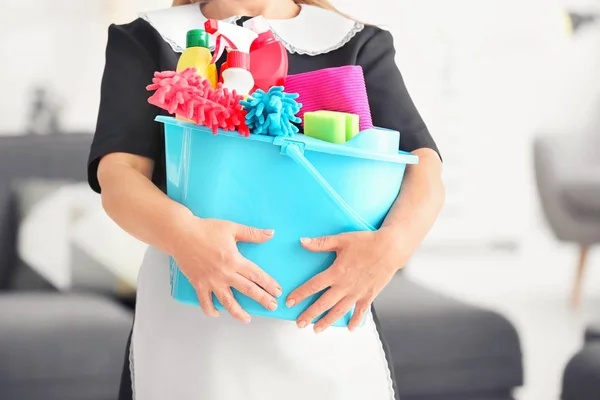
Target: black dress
x=175, y=351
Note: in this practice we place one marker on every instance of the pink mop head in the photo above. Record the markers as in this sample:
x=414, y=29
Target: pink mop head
x=191, y=96
x=340, y=89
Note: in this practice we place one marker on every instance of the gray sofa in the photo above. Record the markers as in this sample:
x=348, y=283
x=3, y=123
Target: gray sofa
x=581, y=379
x=444, y=349
x=53, y=346
x=70, y=346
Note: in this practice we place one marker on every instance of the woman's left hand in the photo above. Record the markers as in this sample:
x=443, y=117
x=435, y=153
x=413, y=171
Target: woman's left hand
x=365, y=264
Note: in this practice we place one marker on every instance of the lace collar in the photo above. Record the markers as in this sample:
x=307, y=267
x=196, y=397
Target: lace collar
x=314, y=31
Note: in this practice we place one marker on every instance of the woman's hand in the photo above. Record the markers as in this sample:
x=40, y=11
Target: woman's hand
x=207, y=255
x=365, y=264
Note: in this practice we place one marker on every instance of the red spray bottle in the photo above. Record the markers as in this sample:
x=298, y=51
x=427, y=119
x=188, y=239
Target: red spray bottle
x=268, y=56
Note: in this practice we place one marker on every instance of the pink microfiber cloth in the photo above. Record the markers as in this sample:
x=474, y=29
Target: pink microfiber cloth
x=340, y=89
x=191, y=96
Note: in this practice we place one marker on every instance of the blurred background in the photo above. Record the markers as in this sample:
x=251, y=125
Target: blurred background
x=499, y=303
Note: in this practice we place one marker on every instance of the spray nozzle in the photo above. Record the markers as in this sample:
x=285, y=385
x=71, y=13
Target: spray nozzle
x=223, y=42
x=257, y=24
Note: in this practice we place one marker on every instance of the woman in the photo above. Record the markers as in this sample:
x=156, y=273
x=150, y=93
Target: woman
x=181, y=352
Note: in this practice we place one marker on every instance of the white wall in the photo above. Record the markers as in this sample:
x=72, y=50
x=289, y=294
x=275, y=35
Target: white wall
x=472, y=68
x=59, y=43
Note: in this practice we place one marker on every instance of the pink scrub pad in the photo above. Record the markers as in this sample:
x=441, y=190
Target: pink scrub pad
x=340, y=89
x=191, y=96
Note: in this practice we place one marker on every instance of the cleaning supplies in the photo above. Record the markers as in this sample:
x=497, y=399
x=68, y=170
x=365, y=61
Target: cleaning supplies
x=377, y=140
x=331, y=126
x=352, y=125
x=272, y=113
x=337, y=89
x=198, y=56
x=229, y=36
x=298, y=186
x=268, y=56
x=193, y=99
x=237, y=76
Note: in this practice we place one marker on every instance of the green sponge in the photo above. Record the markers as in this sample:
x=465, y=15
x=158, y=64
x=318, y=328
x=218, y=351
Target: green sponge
x=331, y=126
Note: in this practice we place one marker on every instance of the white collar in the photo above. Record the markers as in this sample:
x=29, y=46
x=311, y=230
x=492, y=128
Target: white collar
x=314, y=31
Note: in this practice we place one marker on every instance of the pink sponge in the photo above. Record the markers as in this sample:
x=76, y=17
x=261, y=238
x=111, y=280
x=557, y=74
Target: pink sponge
x=187, y=94
x=340, y=89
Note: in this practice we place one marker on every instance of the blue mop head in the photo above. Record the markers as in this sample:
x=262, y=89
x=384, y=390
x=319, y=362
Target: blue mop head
x=272, y=113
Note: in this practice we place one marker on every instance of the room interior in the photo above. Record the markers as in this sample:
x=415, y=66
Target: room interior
x=502, y=301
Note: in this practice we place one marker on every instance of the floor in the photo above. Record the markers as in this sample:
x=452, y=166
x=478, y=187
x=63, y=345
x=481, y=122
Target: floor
x=531, y=287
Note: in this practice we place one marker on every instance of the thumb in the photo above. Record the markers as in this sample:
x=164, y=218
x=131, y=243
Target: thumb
x=249, y=234
x=321, y=244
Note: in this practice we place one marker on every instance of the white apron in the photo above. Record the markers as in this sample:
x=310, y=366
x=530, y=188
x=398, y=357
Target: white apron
x=179, y=353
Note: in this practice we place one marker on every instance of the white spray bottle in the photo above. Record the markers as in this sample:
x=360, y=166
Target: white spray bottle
x=229, y=36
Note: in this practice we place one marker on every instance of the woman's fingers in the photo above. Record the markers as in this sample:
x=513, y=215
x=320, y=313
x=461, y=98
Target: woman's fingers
x=227, y=300
x=329, y=299
x=324, y=243
x=315, y=285
x=206, y=302
x=253, y=273
x=362, y=307
x=252, y=290
x=336, y=313
x=244, y=233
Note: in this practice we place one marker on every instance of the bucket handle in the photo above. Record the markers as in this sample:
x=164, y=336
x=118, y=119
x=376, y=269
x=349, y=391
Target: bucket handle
x=296, y=153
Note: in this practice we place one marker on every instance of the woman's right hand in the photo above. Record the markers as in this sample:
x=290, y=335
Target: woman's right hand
x=207, y=254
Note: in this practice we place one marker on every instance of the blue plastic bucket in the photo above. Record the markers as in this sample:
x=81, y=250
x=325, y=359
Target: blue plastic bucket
x=300, y=187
